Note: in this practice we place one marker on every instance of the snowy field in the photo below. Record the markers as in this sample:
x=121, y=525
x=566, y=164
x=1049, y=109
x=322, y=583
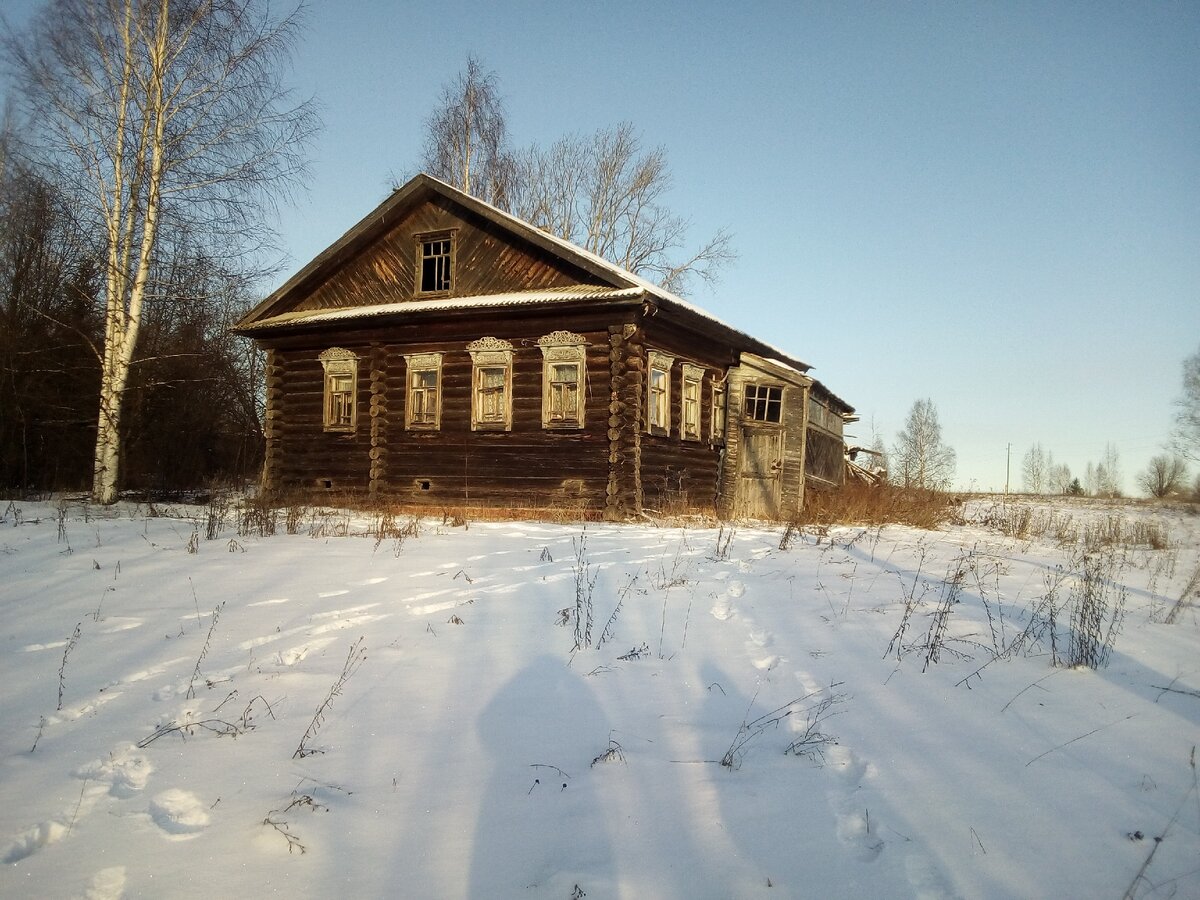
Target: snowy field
x=191, y=708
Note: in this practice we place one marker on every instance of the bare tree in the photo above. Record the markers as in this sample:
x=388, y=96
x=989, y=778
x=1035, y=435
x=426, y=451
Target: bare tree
x=601, y=191
x=604, y=193
x=1163, y=476
x=1109, y=477
x=159, y=113
x=1060, y=478
x=1034, y=470
x=466, y=141
x=1186, y=437
x=920, y=459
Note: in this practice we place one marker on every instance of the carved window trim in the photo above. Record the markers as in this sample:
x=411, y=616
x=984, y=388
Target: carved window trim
x=491, y=384
x=423, y=401
x=716, y=425
x=435, y=258
x=658, y=392
x=689, y=418
x=340, y=393
x=564, y=379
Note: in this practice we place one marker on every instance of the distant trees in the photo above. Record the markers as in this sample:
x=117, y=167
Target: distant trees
x=919, y=458
x=602, y=191
x=1041, y=475
x=1185, y=439
x=1164, y=475
x=159, y=118
x=1104, y=479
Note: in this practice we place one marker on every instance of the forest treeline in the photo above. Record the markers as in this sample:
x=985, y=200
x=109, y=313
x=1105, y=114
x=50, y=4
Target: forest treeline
x=193, y=415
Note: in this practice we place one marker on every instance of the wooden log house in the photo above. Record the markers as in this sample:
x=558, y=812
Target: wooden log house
x=443, y=354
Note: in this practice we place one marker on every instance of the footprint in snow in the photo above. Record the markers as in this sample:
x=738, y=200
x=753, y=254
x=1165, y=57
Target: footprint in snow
x=107, y=884
x=856, y=830
x=927, y=883
x=32, y=840
x=179, y=813
x=721, y=609
x=124, y=771
x=736, y=589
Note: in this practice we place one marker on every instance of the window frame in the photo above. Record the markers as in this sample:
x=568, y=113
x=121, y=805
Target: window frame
x=414, y=364
x=489, y=353
x=563, y=348
x=448, y=236
x=718, y=405
x=693, y=384
x=767, y=401
x=658, y=400
x=338, y=363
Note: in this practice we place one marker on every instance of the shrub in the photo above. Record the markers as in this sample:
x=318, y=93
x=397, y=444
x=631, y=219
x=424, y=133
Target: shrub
x=884, y=504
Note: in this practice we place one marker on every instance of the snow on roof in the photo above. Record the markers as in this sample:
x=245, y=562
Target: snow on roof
x=571, y=249
x=482, y=301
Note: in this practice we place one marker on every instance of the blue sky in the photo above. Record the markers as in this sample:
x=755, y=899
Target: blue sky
x=996, y=206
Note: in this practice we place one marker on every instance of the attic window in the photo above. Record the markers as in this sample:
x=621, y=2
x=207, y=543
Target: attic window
x=435, y=259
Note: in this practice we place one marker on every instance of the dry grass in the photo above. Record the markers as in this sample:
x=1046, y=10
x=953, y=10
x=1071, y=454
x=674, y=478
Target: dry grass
x=858, y=504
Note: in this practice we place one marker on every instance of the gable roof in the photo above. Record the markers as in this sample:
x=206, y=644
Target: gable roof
x=273, y=313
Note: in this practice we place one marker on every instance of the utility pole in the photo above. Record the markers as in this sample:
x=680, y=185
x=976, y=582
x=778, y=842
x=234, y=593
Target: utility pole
x=1007, y=469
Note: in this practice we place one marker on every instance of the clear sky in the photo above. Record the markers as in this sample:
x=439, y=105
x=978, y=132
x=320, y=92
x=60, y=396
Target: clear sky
x=993, y=205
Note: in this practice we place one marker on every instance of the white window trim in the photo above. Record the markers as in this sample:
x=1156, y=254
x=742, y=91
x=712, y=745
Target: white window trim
x=719, y=403
x=561, y=347
x=490, y=353
x=692, y=375
x=338, y=361
x=422, y=362
x=663, y=363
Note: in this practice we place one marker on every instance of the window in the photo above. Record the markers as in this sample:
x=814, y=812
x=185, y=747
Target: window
x=816, y=412
x=423, y=405
x=764, y=403
x=491, y=380
x=658, y=398
x=435, y=258
x=341, y=376
x=563, y=372
x=689, y=426
x=717, y=429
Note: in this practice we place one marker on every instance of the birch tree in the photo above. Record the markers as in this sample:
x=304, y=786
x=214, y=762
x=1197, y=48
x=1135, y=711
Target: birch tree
x=466, y=139
x=607, y=194
x=1034, y=470
x=602, y=191
x=920, y=459
x=160, y=115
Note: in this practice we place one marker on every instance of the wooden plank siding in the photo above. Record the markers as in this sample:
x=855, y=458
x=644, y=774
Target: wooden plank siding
x=792, y=424
x=486, y=261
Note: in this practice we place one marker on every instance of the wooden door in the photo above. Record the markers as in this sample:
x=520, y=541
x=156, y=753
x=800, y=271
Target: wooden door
x=759, y=468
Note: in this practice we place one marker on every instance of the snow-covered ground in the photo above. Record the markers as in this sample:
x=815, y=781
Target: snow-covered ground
x=159, y=694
